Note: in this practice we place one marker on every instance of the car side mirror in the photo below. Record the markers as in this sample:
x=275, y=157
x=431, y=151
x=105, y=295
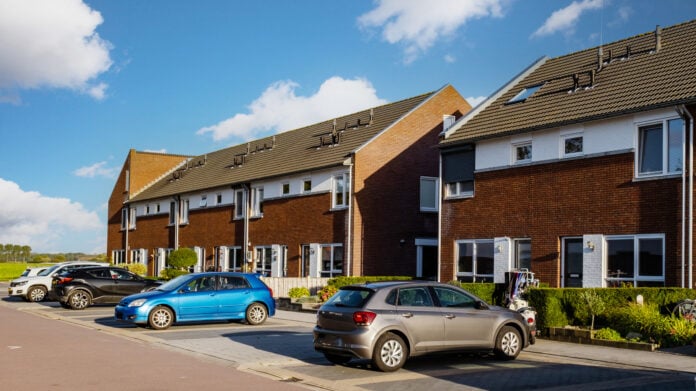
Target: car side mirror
x=185, y=289
x=480, y=305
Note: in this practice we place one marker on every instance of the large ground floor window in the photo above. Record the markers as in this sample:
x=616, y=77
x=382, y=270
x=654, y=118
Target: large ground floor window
x=635, y=260
x=474, y=260
x=331, y=260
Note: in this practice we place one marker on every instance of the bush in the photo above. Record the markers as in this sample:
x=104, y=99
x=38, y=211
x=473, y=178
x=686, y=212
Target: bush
x=182, y=258
x=137, y=268
x=326, y=292
x=169, y=273
x=345, y=280
x=298, y=292
x=488, y=292
x=608, y=334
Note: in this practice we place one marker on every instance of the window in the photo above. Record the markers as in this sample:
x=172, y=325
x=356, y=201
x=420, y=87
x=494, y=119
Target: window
x=475, y=260
x=572, y=145
x=285, y=189
x=307, y=186
x=341, y=190
x=239, y=204
x=523, y=254
x=172, y=212
x=428, y=194
x=524, y=94
x=458, y=171
x=218, y=199
x=128, y=218
x=139, y=256
x=204, y=201
x=157, y=208
x=118, y=257
x=257, y=201
x=263, y=260
x=235, y=259
x=522, y=152
x=660, y=148
x=124, y=218
x=184, y=215
x=331, y=260
x=414, y=297
x=635, y=260
x=147, y=209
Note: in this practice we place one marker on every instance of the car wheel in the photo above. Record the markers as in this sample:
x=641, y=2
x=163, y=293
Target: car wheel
x=508, y=344
x=36, y=293
x=79, y=299
x=390, y=353
x=256, y=314
x=160, y=318
x=337, y=359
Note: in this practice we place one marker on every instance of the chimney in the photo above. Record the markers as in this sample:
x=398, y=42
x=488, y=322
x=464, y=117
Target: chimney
x=599, y=59
x=658, y=38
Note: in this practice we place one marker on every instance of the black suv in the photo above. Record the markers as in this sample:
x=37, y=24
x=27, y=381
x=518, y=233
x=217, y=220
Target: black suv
x=78, y=289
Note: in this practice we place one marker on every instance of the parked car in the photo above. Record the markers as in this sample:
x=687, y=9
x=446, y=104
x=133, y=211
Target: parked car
x=38, y=287
x=32, y=271
x=388, y=322
x=80, y=288
x=200, y=297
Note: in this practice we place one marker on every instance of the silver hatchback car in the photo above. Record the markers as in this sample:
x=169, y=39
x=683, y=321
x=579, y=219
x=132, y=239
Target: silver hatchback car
x=388, y=322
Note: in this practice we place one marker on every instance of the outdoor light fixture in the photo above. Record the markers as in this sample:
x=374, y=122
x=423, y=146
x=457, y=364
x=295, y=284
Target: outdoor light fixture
x=590, y=245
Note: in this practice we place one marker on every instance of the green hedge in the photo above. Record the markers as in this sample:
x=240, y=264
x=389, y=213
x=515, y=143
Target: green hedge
x=343, y=280
x=488, y=292
x=558, y=307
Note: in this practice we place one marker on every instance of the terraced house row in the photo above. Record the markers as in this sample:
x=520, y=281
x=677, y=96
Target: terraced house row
x=579, y=169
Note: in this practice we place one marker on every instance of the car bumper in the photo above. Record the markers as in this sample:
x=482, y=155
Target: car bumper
x=17, y=291
x=136, y=315
x=354, y=343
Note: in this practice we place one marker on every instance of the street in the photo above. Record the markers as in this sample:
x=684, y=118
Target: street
x=279, y=354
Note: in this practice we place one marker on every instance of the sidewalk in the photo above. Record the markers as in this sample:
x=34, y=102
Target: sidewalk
x=682, y=359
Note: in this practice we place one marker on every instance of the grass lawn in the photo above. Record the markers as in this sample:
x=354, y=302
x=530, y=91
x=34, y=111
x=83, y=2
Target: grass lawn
x=11, y=270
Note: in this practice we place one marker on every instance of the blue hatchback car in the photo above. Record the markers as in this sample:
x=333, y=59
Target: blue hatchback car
x=200, y=297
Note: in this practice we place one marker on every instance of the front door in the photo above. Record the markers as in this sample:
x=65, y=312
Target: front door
x=572, y=262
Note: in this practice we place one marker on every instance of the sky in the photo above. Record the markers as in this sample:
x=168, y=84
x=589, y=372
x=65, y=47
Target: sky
x=84, y=81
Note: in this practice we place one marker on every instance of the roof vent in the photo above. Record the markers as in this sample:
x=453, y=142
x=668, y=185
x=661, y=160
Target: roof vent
x=447, y=122
x=600, y=60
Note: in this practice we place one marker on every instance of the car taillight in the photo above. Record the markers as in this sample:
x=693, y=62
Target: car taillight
x=64, y=280
x=363, y=318
x=530, y=320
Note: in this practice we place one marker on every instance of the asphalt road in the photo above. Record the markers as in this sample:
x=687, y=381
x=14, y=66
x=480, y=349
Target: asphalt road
x=47, y=347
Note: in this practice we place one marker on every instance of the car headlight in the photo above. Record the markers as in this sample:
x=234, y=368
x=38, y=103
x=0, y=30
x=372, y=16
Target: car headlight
x=137, y=303
x=21, y=283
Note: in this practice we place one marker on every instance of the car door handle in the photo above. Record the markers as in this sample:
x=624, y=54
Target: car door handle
x=450, y=316
x=407, y=315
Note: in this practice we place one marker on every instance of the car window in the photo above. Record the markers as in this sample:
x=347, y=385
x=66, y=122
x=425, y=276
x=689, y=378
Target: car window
x=26, y=272
x=415, y=297
x=453, y=298
x=233, y=283
x=100, y=273
x=121, y=275
x=202, y=284
x=349, y=298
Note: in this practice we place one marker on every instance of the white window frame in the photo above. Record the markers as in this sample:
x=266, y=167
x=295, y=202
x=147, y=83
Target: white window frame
x=434, y=181
x=564, y=140
x=306, y=182
x=218, y=199
x=118, y=257
x=344, y=192
x=172, y=212
x=457, y=189
x=516, y=252
x=263, y=257
x=473, y=274
x=239, y=204
x=283, y=187
x=124, y=218
x=517, y=146
x=637, y=278
x=257, y=201
x=131, y=220
x=664, y=123
x=332, y=270
x=204, y=201
x=184, y=211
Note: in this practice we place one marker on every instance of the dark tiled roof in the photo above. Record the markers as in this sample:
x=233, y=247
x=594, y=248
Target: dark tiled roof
x=295, y=151
x=637, y=78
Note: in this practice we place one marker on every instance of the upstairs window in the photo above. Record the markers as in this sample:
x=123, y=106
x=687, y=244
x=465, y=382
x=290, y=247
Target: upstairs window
x=572, y=145
x=184, y=215
x=522, y=152
x=124, y=218
x=428, y=194
x=660, y=147
x=131, y=220
x=204, y=201
x=341, y=190
x=458, y=171
x=239, y=204
x=285, y=189
x=307, y=186
x=257, y=201
x=172, y=212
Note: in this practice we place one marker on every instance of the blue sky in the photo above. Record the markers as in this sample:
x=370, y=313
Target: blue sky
x=84, y=81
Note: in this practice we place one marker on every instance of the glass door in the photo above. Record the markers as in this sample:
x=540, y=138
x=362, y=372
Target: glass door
x=572, y=262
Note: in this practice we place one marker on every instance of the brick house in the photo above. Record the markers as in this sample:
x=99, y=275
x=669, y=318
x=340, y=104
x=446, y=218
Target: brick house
x=578, y=169
x=354, y=195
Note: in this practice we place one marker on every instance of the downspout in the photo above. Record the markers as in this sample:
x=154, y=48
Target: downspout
x=439, y=215
x=685, y=113
x=127, y=229
x=349, y=243
x=177, y=205
x=246, y=225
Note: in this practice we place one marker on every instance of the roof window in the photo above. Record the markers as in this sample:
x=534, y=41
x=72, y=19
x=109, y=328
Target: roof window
x=524, y=94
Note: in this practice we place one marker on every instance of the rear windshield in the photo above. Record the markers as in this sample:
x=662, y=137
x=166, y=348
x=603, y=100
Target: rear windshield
x=352, y=298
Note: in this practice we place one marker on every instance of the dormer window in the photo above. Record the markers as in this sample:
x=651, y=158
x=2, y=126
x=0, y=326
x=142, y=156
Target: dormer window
x=524, y=94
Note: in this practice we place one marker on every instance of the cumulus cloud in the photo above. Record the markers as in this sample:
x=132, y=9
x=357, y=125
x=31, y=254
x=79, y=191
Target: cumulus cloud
x=29, y=218
x=279, y=108
x=565, y=19
x=97, y=170
x=418, y=24
x=51, y=43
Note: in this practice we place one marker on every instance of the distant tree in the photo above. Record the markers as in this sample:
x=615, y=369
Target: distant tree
x=26, y=253
x=59, y=258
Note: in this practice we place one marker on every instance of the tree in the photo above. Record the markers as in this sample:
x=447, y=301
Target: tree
x=595, y=304
x=182, y=258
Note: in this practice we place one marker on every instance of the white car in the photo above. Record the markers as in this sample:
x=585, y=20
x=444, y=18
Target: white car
x=36, y=288
x=32, y=271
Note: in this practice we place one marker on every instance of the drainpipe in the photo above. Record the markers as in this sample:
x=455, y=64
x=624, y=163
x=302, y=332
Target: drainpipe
x=349, y=244
x=690, y=196
x=127, y=255
x=177, y=205
x=246, y=225
x=439, y=215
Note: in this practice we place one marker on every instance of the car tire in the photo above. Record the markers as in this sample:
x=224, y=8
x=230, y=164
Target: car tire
x=337, y=358
x=79, y=299
x=256, y=314
x=508, y=344
x=160, y=318
x=390, y=353
x=36, y=294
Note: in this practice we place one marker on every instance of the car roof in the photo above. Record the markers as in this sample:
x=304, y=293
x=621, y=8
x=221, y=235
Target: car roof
x=386, y=284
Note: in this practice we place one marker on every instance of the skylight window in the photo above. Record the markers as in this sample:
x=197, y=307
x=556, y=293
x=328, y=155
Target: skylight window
x=524, y=94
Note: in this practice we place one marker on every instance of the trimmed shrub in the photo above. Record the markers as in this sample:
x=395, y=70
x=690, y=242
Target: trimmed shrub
x=326, y=292
x=169, y=273
x=182, y=258
x=298, y=292
x=344, y=280
x=608, y=334
x=137, y=268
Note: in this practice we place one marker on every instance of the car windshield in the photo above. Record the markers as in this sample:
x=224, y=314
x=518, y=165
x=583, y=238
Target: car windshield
x=48, y=271
x=349, y=298
x=173, y=284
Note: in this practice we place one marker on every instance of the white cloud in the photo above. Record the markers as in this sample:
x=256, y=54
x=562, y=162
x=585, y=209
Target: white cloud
x=565, y=19
x=475, y=100
x=97, y=169
x=418, y=24
x=280, y=109
x=29, y=218
x=52, y=43
x=163, y=150
x=450, y=59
